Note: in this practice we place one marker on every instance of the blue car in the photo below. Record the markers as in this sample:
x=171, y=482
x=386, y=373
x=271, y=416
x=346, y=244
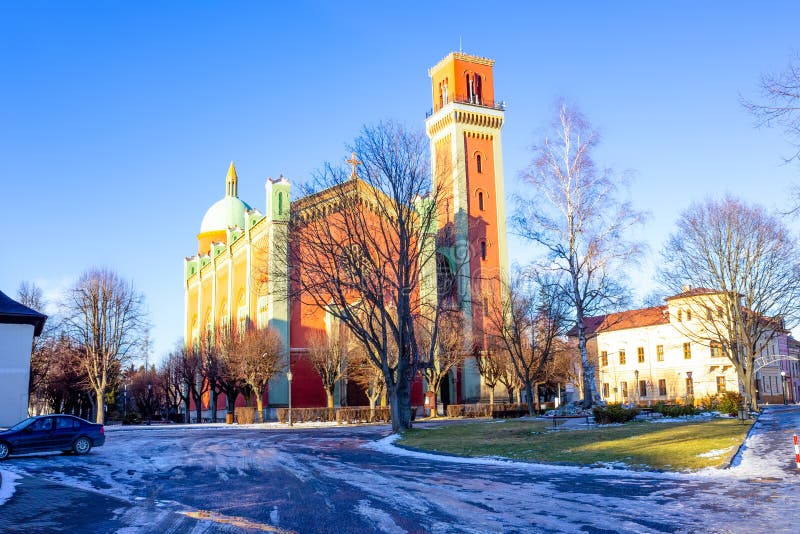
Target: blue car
x=51, y=433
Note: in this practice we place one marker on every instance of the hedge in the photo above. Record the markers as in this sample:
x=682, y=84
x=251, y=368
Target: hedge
x=498, y=410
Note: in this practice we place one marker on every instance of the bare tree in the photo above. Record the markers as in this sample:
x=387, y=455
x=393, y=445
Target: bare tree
x=528, y=325
x=227, y=351
x=44, y=345
x=262, y=356
x=359, y=247
x=364, y=373
x=328, y=354
x=191, y=374
x=105, y=316
x=171, y=384
x=576, y=216
x=781, y=103
x=743, y=263
x=491, y=366
x=446, y=356
x=780, y=107
x=147, y=391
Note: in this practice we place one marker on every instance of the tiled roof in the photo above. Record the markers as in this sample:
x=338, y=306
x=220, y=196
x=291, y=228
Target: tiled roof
x=693, y=293
x=626, y=319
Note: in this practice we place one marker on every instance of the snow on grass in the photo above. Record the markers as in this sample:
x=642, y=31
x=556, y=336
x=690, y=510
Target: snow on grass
x=9, y=484
x=715, y=453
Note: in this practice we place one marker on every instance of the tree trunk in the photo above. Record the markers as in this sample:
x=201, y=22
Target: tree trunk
x=260, y=406
x=529, y=395
x=331, y=413
x=230, y=401
x=187, y=412
x=491, y=396
x=198, y=408
x=100, y=412
x=213, y=396
x=433, y=407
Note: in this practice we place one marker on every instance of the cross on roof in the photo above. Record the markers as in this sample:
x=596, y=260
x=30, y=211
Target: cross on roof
x=353, y=163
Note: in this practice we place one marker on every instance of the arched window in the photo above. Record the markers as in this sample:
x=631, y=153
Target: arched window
x=480, y=197
x=478, y=89
x=479, y=164
x=483, y=250
x=280, y=203
x=470, y=89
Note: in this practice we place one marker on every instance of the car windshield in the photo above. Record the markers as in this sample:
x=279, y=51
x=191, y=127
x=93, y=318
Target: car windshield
x=23, y=424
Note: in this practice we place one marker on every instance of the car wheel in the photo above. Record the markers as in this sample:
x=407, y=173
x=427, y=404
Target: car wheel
x=5, y=450
x=82, y=445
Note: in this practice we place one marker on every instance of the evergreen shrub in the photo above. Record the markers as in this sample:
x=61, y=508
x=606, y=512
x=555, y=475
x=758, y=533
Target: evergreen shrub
x=613, y=413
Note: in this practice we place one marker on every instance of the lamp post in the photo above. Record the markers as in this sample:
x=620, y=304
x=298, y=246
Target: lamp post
x=149, y=401
x=124, y=401
x=289, y=378
x=636, y=385
x=783, y=386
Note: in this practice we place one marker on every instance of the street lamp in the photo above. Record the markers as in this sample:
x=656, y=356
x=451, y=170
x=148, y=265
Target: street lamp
x=149, y=400
x=289, y=378
x=636, y=385
x=783, y=384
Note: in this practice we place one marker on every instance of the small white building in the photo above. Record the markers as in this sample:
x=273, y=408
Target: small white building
x=18, y=325
x=668, y=353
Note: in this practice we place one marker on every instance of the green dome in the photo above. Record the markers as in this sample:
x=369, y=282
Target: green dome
x=230, y=211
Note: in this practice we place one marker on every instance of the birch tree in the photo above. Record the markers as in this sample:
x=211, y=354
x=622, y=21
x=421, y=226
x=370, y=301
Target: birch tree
x=105, y=317
x=744, y=266
x=573, y=211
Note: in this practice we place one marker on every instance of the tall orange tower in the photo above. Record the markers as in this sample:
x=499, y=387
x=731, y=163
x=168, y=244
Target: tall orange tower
x=466, y=154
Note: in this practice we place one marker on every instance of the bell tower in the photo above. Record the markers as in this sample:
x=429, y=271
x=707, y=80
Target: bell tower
x=466, y=157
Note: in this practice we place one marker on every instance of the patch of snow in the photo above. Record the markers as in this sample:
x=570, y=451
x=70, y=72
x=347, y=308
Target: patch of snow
x=9, y=485
x=715, y=453
x=382, y=520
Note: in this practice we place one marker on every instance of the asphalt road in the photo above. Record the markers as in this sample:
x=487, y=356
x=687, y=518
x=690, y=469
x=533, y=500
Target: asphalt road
x=335, y=480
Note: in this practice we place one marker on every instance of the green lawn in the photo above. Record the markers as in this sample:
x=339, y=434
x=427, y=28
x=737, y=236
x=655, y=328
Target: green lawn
x=640, y=445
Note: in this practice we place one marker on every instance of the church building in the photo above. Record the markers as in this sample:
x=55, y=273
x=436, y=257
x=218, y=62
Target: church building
x=236, y=275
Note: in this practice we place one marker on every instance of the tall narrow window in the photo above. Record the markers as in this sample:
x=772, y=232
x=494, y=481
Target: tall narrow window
x=640, y=354
x=622, y=357
x=605, y=390
x=688, y=315
x=642, y=388
x=480, y=196
x=280, y=203
x=716, y=349
x=478, y=89
x=687, y=351
x=469, y=88
x=721, y=384
x=624, y=387
x=662, y=386
x=689, y=386
x=660, y=353
x=483, y=250
x=680, y=315
x=604, y=359
x=478, y=162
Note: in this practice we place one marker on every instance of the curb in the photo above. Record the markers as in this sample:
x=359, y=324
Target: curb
x=729, y=460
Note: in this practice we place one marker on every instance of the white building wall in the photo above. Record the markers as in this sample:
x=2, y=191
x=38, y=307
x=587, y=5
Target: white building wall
x=704, y=369
x=15, y=364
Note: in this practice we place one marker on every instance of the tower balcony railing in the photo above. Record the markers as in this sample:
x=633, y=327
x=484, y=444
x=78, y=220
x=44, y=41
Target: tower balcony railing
x=473, y=100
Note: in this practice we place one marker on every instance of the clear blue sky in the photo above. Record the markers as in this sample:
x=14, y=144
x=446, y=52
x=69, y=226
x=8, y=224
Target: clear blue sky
x=118, y=120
